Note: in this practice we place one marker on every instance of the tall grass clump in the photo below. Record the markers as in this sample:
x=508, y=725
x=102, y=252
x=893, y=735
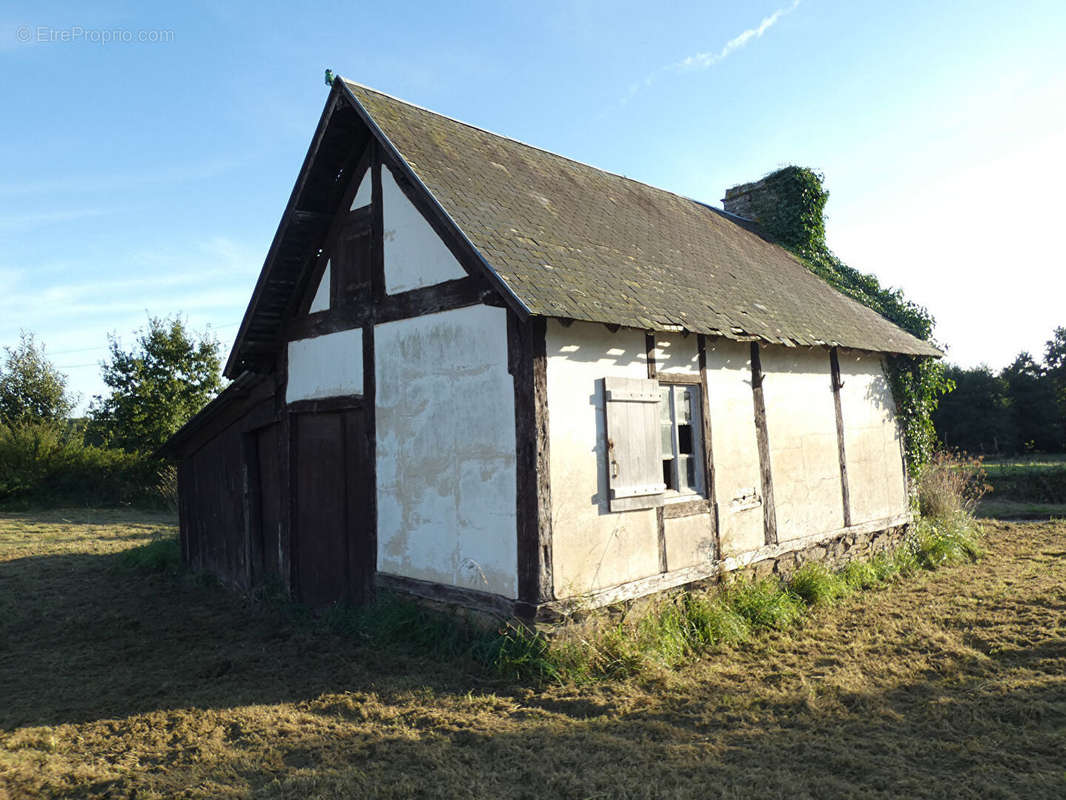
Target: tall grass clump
x=765, y=603
x=949, y=489
x=817, y=585
x=951, y=485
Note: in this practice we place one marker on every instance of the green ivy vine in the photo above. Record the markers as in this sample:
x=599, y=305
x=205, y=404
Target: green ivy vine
x=791, y=210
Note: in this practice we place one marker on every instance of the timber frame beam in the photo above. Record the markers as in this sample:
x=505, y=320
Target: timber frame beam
x=527, y=363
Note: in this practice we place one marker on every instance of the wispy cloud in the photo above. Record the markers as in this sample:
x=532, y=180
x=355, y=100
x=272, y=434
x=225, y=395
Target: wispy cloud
x=710, y=58
x=19, y=222
x=706, y=60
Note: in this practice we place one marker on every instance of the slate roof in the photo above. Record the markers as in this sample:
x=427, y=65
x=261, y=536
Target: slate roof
x=571, y=240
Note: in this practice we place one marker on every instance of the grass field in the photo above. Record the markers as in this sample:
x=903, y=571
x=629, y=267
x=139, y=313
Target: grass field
x=1025, y=487
x=118, y=682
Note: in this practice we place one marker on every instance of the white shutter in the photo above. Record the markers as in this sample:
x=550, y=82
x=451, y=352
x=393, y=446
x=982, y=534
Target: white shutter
x=634, y=443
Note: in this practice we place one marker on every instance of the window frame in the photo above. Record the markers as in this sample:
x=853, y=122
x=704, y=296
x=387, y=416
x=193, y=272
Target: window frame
x=698, y=454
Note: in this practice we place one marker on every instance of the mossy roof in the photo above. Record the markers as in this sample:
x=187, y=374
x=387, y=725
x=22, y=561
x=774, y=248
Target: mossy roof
x=573, y=241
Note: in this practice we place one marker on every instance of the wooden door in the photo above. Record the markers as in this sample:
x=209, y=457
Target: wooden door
x=331, y=536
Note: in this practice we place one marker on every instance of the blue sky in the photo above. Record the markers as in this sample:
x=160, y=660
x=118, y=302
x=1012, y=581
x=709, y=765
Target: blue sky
x=148, y=177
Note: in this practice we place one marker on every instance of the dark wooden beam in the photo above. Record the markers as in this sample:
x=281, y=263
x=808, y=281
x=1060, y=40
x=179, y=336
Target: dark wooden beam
x=297, y=305
x=762, y=437
x=688, y=508
x=834, y=369
x=708, y=448
x=527, y=357
x=493, y=604
x=327, y=404
x=660, y=513
x=458, y=293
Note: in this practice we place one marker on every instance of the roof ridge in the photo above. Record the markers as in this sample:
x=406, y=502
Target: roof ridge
x=533, y=146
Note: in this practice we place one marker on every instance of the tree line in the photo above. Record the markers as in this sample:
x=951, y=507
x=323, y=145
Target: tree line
x=109, y=456
x=1021, y=408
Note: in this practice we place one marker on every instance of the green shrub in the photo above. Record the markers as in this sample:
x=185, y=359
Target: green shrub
x=47, y=464
x=1029, y=483
x=940, y=542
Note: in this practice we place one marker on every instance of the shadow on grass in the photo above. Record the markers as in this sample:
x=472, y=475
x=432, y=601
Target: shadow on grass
x=81, y=641
x=83, y=637
x=929, y=738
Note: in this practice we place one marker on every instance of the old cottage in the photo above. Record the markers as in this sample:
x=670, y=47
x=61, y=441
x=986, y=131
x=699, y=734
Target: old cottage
x=480, y=372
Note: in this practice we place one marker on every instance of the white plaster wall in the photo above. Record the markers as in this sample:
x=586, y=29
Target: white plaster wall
x=320, y=302
x=735, y=446
x=414, y=254
x=801, y=426
x=446, y=450
x=677, y=355
x=876, y=483
x=326, y=366
x=363, y=193
x=591, y=547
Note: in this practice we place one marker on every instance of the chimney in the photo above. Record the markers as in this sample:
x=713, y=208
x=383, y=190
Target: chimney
x=788, y=205
x=742, y=200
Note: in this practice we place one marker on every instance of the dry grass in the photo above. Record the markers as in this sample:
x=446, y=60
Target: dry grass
x=121, y=684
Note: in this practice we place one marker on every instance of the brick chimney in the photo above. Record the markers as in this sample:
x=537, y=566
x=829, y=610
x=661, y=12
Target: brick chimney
x=788, y=205
x=742, y=200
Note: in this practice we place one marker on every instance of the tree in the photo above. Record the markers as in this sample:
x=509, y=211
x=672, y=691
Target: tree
x=1055, y=368
x=156, y=387
x=31, y=388
x=1036, y=413
x=976, y=417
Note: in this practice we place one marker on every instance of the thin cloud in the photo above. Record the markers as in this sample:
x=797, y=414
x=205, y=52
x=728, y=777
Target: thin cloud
x=709, y=59
x=706, y=60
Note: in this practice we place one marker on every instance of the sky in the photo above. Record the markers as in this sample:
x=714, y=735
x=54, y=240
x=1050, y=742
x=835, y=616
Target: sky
x=146, y=155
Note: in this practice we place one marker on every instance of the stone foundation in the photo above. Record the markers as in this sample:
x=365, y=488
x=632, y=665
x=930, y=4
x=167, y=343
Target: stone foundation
x=486, y=610
x=833, y=553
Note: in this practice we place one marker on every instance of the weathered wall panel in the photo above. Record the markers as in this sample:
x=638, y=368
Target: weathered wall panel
x=871, y=439
x=414, y=254
x=736, y=454
x=215, y=509
x=592, y=548
x=446, y=450
x=326, y=366
x=801, y=423
x=689, y=541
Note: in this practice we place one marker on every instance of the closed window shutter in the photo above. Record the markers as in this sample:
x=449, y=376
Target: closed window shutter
x=634, y=443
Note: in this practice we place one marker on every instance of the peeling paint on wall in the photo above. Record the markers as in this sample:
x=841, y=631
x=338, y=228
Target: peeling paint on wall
x=446, y=479
x=326, y=366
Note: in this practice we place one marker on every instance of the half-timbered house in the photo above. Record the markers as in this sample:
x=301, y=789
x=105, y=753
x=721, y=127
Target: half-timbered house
x=479, y=372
